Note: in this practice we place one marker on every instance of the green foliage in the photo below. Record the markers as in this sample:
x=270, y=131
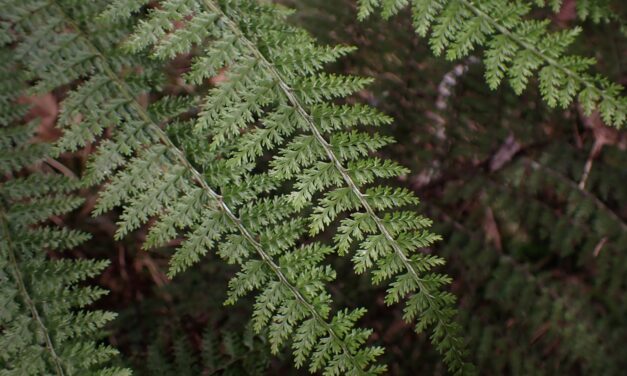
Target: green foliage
x=536, y=259
x=515, y=48
x=274, y=102
x=595, y=10
x=225, y=353
x=151, y=176
x=270, y=162
x=44, y=328
x=557, y=253
x=554, y=309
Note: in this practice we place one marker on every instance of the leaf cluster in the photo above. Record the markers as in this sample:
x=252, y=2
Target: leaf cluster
x=44, y=326
x=516, y=47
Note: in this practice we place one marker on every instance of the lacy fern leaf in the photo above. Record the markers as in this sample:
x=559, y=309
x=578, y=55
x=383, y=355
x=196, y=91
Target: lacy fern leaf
x=595, y=10
x=270, y=105
x=515, y=48
x=224, y=352
x=43, y=326
x=149, y=175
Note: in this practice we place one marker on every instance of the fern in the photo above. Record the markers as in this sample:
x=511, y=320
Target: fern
x=515, y=48
x=161, y=180
x=530, y=279
x=224, y=353
x=44, y=328
x=595, y=10
x=270, y=163
x=274, y=101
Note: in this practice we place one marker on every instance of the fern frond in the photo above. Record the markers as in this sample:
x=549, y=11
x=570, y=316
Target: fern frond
x=595, y=10
x=149, y=175
x=43, y=326
x=515, y=47
x=270, y=106
x=221, y=352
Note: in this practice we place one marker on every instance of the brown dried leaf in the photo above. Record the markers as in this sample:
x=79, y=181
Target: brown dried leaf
x=45, y=107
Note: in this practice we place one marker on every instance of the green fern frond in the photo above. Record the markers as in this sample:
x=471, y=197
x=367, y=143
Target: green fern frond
x=595, y=10
x=43, y=326
x=220, y=353
x=515, y=48
x=150, y=176
x=268, y=105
